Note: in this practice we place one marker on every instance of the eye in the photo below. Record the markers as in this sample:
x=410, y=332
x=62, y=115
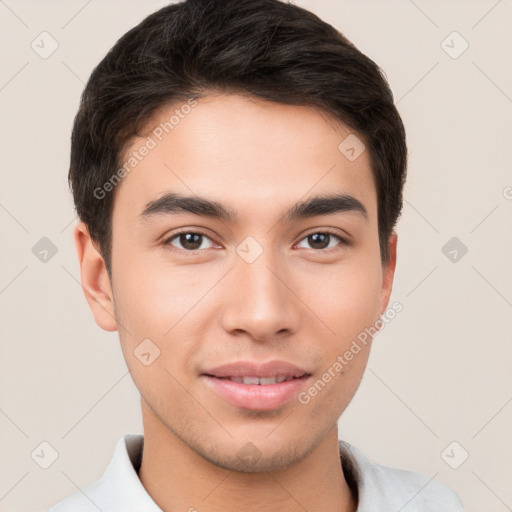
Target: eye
x=321, y=240
x=190, y=240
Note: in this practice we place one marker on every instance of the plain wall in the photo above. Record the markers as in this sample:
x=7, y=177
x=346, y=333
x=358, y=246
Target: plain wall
x=439, y=372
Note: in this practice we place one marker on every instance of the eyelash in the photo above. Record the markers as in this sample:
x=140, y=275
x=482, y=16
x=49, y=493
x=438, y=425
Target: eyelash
x=168, y=241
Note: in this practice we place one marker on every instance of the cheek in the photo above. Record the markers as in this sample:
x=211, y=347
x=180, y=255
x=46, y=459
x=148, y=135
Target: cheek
x=347, y=299
x=333, y=389
x=156, y=335
x=159, y=311
x=150, y=298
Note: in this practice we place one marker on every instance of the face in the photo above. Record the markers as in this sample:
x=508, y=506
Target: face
x=193, y=289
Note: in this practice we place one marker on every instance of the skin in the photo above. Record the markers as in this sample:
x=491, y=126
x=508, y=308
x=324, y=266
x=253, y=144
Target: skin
x=295, y=302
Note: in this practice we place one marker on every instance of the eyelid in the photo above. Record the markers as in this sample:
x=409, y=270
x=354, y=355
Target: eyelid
x=345, y=237
x=332, y=231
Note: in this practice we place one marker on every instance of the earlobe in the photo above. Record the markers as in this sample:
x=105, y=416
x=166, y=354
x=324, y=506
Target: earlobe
x=94, y=278
x=388, y=273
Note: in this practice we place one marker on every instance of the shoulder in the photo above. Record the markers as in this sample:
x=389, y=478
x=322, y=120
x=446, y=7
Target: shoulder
x=381, y=486
x=118, y=489
x=418, y=491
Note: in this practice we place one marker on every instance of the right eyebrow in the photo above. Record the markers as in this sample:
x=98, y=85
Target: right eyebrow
x=173, y=203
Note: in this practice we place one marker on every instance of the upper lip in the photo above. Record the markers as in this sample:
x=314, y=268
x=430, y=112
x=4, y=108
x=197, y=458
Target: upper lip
x=254, y=369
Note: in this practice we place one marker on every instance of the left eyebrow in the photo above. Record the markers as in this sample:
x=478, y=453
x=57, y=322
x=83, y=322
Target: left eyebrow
x=325, y=205
x=174, y=203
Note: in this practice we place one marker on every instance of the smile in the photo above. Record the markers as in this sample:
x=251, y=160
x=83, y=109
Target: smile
x=256, y=393
x=261, y=381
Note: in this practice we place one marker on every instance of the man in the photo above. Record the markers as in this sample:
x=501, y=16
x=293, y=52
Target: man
x=237, y=167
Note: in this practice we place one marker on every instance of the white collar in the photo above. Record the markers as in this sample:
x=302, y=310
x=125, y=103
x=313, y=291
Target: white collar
x=379, y=487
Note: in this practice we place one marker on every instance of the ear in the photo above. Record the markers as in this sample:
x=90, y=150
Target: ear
x=388, y=273
x=95, y=280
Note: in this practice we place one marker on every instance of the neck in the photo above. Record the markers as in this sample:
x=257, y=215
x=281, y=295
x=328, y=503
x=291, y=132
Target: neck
x=178, y=478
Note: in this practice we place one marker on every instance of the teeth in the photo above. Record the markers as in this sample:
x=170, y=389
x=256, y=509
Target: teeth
x=251, y=380
x=263, y=381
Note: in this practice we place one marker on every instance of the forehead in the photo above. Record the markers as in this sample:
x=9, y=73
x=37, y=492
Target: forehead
x=244, y=151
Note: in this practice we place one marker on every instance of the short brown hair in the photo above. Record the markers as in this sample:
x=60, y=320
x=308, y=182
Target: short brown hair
x=267, y=48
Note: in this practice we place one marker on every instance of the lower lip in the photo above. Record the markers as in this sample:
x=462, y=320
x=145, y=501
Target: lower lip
x=255, y=396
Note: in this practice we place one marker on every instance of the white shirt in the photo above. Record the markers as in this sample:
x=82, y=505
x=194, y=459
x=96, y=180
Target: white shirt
x=379, y=488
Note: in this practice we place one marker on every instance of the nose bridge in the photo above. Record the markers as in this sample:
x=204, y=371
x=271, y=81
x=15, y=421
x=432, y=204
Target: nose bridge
x=260, y=303
x=259, y=278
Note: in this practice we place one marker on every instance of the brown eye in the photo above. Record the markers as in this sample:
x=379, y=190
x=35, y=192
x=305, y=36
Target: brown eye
x=189, y=241
x=322, y=240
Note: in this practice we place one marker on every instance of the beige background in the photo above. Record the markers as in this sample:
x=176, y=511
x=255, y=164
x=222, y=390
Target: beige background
x=440, y=372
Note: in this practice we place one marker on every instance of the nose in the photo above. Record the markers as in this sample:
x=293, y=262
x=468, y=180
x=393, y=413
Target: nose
x=263, y=298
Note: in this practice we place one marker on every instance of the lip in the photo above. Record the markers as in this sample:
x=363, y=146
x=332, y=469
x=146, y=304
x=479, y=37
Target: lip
x=255, y=396
x=250, y=368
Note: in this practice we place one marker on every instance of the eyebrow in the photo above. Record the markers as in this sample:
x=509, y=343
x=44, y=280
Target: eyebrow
x=173, y=203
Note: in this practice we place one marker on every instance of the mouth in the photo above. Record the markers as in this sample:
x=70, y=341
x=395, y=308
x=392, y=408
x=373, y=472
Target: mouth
x=257, y=393
x=258, y=381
